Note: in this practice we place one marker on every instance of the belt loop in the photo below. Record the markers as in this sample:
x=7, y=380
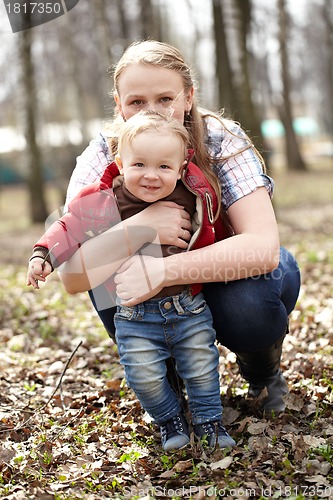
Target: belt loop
x=177, y=305
x=140, y=309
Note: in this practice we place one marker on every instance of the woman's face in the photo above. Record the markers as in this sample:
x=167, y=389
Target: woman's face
x=147, y=87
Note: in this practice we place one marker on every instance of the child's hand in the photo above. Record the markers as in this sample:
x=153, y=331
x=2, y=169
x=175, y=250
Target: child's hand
x=38, y=269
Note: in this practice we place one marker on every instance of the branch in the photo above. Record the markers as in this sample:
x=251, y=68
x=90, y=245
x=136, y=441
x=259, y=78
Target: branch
x=53, y=393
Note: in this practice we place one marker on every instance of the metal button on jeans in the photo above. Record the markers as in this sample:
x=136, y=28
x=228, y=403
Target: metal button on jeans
x=167, y=305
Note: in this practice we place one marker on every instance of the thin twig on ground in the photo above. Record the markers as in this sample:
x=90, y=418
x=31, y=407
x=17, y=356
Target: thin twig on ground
x=39, y=410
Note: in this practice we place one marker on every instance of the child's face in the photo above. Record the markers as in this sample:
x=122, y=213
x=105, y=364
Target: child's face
x=151, y=165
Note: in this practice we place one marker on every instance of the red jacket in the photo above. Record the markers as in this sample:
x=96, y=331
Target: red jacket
x=95, y=209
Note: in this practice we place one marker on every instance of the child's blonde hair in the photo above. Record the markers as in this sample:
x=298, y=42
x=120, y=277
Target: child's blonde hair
x=151, y=121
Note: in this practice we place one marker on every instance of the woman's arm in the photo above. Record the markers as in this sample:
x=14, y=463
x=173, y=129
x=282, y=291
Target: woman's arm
x=101, y=256
x=254, y=250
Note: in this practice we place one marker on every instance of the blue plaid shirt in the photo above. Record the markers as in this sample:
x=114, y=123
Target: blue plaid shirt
x=238, y=167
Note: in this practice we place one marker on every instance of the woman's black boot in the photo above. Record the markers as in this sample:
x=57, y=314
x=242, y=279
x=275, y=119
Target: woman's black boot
x=262, y=370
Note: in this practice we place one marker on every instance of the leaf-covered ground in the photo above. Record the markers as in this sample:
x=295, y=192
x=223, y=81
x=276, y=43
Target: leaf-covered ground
x=70, y=428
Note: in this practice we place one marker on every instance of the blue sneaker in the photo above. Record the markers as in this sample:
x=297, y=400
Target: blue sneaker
x=207, y=432
x=175, y=433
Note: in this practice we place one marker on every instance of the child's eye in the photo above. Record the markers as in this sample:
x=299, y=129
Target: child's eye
x=139, y=165
x=164, y=167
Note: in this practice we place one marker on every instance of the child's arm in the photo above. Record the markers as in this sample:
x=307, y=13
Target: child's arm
x=92, y=212
x=38, y=269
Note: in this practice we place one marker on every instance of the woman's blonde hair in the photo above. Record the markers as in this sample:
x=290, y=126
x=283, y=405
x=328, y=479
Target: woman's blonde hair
x=161, y=54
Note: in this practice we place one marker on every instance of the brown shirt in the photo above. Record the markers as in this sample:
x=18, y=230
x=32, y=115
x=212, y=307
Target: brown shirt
x=130, y=205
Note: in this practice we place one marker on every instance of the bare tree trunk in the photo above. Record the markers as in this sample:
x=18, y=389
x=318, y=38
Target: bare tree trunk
x=224, y=74
x=124, y=25
x=105, y=42
x=38, y=210
x=248, y=114
x=148, y=19
x=293, y=154
x=328, y=20
x=73, y=89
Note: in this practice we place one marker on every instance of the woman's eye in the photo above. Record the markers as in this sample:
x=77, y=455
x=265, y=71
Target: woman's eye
x=137, y=102
x=166, y=99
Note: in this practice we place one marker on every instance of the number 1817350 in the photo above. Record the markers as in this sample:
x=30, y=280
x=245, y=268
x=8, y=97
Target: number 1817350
x=31, y=7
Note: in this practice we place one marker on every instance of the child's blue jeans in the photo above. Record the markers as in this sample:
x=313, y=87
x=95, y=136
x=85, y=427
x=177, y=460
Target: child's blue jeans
x=179, y=326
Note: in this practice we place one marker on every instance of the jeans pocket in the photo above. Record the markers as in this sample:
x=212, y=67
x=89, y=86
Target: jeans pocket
x=196, y=306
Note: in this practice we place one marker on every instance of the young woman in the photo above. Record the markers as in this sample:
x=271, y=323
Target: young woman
x=250, y=283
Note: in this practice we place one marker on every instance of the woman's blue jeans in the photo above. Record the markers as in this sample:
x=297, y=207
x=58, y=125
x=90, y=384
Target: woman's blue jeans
x=252, y=314
x=180, y=327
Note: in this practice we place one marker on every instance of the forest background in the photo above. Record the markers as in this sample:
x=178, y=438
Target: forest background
x=69, y=427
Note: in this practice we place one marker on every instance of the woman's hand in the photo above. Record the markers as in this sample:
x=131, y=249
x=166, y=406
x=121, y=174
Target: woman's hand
x=171, y=222
x=139, y=278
